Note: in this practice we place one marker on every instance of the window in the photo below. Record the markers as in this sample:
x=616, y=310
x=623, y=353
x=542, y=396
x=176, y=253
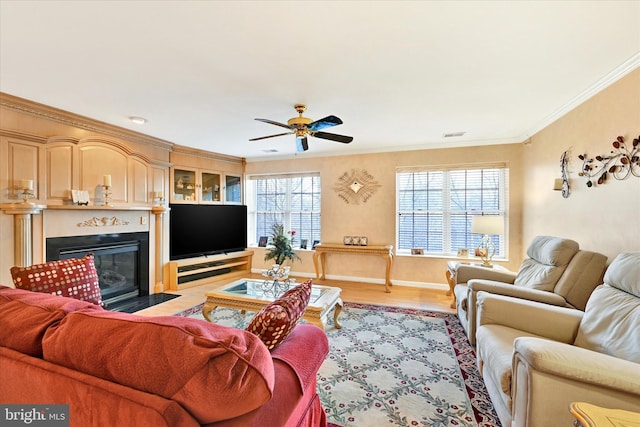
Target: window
x=290, y=200
x=435, y=207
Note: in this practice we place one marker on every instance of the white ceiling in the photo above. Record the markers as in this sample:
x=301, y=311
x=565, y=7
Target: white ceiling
x=399, y=74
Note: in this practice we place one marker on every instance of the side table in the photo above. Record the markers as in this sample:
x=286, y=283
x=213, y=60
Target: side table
x=452, y=271
x=588, y=415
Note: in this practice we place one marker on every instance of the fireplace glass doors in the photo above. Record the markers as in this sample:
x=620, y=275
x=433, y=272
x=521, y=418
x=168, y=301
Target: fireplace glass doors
x=122, y=261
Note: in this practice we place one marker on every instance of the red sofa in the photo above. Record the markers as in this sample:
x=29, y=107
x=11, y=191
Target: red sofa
x=126, y=370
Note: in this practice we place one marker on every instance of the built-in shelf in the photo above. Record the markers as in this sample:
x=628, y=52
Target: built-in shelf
x=190, y=272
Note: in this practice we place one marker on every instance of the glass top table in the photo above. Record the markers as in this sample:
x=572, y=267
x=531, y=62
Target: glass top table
x=253, y=295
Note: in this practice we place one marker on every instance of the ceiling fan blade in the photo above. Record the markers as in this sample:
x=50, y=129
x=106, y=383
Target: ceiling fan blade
x=274, y=123
x=302, y=144
x=271, y=136
x=324, y=123
x=333, y=137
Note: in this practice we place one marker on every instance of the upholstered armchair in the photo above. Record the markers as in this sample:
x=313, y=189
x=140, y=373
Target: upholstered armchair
x=556, y=272
x=536, y=358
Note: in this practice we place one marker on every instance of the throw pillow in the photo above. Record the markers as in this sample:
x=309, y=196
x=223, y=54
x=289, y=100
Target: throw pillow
x=275, y=322
x=75, y=277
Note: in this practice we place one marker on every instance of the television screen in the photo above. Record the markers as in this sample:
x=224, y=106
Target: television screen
x=197, y=230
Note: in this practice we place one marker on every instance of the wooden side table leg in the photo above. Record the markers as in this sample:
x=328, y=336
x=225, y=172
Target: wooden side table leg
x=451, y=280
x=207, y=309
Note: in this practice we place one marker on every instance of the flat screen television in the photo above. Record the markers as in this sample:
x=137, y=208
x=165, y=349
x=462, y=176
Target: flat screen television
x=197, y=230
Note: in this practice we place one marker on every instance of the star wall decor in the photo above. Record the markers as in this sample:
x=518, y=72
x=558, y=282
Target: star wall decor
x=356, y=186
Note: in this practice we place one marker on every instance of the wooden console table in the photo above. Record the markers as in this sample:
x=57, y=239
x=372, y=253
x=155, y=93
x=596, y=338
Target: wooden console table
x=385, y=251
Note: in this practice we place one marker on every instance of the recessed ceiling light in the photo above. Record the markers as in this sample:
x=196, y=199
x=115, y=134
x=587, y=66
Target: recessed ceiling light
x=138, y=120
x=453, y=134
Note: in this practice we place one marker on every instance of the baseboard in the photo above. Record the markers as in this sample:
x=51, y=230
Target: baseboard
x=377, y=281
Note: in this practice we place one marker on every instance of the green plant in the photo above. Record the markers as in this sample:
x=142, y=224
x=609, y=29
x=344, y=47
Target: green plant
x=282, y=248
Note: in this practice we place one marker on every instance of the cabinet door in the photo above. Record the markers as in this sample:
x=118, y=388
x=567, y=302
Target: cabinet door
x=210, y=187
x=232, y=189
x=183, y=185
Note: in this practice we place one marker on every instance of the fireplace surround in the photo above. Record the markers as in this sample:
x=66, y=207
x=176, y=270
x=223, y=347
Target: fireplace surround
x=121, y=259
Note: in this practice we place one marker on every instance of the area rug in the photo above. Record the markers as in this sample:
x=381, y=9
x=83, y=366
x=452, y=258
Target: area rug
x=394, y=367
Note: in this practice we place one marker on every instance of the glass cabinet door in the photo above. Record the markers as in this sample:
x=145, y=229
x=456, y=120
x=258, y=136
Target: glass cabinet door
x=233, y=189
x=211, y=187
x=184, y=185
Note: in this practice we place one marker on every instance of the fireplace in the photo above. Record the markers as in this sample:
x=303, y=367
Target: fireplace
x=121, y=259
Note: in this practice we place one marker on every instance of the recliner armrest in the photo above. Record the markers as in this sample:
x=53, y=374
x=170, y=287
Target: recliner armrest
x=549, y=321
x=548, y=376
x=466, y=272
x=577, y=364
x=499, y=288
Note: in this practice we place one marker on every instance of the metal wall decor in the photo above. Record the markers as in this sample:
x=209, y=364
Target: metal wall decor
x=564, y=184
x=356, y=186
x=622, y=161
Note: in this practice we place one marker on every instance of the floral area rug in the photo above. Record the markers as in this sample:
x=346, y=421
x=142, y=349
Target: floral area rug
x=394, y=367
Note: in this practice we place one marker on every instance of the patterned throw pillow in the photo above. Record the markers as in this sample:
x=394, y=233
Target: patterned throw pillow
x=75, y=277
x=275, y=322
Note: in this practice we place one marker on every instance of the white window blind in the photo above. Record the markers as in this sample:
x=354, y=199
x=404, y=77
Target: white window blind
x=435, y=207
x=291, y=200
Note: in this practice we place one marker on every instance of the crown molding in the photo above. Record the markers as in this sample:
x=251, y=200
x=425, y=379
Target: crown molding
x=619, y=72
x=196, y=152
x=46, y=112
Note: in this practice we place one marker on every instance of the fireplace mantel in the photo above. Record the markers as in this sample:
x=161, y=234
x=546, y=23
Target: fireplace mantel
x=71, y=220
x=98, y=208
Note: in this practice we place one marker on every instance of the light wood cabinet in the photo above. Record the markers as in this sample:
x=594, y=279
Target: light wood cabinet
x=201, y=186
x=192, y=185
x=198, y=271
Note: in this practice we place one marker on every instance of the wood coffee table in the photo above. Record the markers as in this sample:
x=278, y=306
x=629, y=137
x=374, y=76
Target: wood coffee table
x=248, y=295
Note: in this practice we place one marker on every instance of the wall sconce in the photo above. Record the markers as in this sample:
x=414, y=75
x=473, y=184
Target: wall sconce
x=487, y=225
x=562, y=184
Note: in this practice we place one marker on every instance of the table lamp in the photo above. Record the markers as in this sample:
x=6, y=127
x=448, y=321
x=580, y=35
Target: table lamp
x=487, y=225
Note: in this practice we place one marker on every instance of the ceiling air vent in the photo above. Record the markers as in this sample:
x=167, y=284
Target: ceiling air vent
x=453, y=134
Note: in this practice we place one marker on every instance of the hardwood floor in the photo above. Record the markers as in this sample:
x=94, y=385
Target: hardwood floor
x=364, y=293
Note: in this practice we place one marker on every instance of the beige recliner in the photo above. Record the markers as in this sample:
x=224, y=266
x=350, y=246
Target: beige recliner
x=536, y=359
x=556, y=272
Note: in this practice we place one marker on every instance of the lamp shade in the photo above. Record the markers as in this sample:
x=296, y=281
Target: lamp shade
x=487, y=224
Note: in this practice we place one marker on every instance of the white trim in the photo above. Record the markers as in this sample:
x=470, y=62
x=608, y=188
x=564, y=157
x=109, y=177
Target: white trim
x=376, y=281
x=606, y=81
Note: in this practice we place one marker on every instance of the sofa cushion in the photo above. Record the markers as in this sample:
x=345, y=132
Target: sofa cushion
x=274, y=322
x=25, y=316
x=213, y=371
x=624, y=273
x=610, y=324
x=548, y=258
x=75, y=277
x=611, y=318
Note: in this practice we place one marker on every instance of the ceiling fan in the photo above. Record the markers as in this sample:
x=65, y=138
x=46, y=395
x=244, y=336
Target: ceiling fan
x=303, y=127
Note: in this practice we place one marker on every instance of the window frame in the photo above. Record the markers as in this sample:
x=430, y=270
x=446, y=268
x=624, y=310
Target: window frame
x=310, y=234
x=448, y=243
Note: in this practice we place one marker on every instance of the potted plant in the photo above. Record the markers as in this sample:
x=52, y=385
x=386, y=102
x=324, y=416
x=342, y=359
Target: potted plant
x=281, y=249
